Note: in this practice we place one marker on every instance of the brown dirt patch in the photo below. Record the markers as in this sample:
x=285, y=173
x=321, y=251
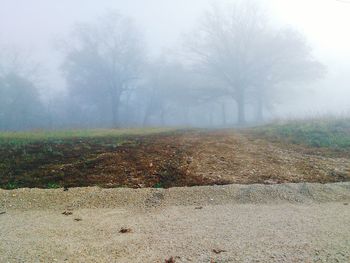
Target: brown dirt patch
x=148, y=161
x=241, y=158
x=157, y=161
x=170, y=160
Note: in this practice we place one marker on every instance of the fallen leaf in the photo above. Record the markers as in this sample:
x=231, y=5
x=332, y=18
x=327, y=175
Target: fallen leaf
x=170, y=260
x=125, y=230
x=218, y=251
x=66, y=213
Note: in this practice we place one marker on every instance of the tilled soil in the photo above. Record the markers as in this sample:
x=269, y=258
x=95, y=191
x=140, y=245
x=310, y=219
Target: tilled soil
x=189, y=158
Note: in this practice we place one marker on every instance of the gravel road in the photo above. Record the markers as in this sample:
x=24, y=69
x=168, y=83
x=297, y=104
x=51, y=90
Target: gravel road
x=235, y=223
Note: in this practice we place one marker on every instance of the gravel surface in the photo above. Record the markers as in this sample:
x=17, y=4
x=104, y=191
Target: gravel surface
x=235, y=223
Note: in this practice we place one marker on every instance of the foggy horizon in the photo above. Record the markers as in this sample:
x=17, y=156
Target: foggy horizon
x=174, y=131
x=37, y=28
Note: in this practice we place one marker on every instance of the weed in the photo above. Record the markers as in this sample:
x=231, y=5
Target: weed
x=158, y=185
x=53, y=186
x=11, y=185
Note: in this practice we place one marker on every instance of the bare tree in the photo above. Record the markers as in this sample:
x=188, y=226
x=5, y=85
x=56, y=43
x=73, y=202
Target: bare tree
x=103, y=60
x=245, y=54
x=284, y=62
x=20, y=103
x=170, y=87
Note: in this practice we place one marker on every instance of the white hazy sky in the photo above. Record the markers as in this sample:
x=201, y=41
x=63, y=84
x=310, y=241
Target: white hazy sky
x=35, y=24
x=325, y=22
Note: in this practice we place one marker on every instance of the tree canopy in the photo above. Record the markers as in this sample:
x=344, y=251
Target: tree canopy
x=248, y=56
x=102, y=60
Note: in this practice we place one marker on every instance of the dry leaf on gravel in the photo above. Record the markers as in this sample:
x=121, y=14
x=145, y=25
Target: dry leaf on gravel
x=125, y=230
x=66, y=213
x=218, y=251
x=170, y=260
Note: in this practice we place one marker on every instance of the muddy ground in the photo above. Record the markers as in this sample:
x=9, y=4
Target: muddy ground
x=190, y=158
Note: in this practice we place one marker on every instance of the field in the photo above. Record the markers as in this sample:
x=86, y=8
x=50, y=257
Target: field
x=286, y=199
x=316, y=151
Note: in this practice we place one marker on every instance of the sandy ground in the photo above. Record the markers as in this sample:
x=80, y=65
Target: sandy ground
x=247, y=223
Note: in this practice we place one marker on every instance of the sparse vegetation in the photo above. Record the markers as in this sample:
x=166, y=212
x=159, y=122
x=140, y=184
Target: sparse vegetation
x=321, y=133
x=44, y=159
x=59, y=136
x=163, y=158
x=158, y=185
x=11, y=185
x=53, y=186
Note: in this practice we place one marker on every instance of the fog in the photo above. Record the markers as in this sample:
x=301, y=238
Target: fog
x=170, y=72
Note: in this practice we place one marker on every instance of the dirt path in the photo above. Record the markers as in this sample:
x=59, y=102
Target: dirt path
x=257, y=223
x=242, y=159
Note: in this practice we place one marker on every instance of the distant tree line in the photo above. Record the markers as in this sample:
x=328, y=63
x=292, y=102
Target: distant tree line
x=232, y=68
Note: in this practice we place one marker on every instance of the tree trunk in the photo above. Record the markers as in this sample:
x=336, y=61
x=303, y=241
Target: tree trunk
x=186, y=115
x=241, y=107
x=145, y=119
x=260, y=109
x=149, y=109
x=210, y=117
x=115, y=116
x=115, y=109
x=128, y=114
x=223, y=112
x=162, y=117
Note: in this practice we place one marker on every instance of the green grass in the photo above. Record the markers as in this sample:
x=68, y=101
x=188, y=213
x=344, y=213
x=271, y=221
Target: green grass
x=53, y=185
x=11, y=185
x=21, y=138
x=322, y=133
x=158, y=185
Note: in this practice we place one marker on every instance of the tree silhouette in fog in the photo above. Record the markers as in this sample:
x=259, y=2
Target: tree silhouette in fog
x=102, y=61
x=253, y=61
